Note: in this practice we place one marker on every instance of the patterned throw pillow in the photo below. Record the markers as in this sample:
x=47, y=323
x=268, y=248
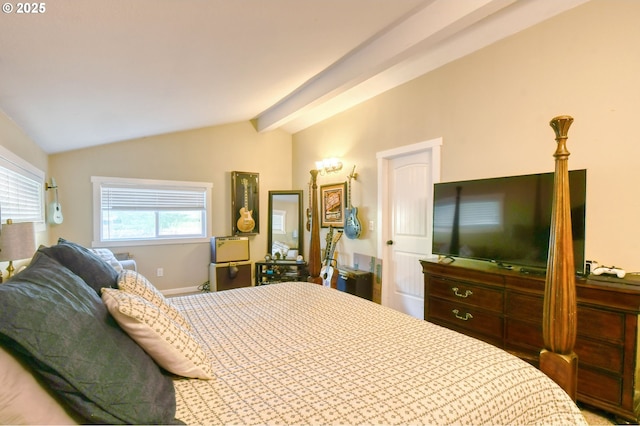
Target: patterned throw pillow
x=134, y=283
x=170, y=345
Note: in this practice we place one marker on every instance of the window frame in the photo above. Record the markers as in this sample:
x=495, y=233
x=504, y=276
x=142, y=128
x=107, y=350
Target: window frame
x=97, y=184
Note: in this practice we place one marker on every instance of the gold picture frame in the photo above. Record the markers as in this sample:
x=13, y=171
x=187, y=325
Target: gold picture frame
x=332, y=205
x=245, y=206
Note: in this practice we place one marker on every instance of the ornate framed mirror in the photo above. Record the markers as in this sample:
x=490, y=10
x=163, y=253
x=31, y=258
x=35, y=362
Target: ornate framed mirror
x=285, y=233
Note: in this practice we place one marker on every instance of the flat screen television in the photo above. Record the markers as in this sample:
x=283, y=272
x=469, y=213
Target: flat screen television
x=505, y=220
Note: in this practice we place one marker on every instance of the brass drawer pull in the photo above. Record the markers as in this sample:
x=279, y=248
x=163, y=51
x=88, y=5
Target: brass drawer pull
x=466, y=294
x=466, y=316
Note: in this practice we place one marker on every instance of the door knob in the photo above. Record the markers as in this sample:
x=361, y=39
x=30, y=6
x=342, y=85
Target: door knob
x=389, y=242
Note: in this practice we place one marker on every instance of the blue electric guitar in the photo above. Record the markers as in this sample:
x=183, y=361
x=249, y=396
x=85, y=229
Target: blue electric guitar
x=352, y=226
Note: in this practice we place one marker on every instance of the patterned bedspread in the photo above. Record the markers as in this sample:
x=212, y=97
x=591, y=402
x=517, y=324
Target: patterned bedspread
x=299, y=353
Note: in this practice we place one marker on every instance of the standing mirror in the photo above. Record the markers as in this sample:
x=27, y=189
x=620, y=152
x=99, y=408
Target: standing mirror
x=285, y=224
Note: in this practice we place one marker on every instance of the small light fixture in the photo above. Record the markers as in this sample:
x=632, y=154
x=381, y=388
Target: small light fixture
x=328, y=165
x=17, y=241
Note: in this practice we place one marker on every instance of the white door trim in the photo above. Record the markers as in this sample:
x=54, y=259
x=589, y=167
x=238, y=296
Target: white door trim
x=384, y=224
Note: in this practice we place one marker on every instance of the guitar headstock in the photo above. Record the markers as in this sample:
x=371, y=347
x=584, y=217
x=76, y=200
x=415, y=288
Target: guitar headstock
x=327, y=249
x=353, y=174
x=336, y=237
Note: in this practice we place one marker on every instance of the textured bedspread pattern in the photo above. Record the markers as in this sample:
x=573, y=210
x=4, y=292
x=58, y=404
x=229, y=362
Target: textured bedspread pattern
x=298, y=353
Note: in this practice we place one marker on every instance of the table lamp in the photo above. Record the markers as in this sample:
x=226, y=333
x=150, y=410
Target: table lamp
x=17, y=241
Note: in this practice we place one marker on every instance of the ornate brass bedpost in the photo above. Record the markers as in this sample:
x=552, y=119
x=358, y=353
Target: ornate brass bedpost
x=559, y=321
x=314, y=246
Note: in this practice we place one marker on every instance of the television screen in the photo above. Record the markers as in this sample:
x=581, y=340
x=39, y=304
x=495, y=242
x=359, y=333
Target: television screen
x=505, y=220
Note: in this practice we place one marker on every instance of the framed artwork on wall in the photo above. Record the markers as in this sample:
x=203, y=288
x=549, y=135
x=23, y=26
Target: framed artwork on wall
x=245, y=206
x=332, y=204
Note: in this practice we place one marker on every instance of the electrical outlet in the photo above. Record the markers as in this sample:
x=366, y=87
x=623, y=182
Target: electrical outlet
x=371, y=226
x=159, y=272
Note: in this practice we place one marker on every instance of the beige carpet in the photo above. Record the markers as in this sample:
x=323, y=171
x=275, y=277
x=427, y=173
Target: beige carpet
x=597, y=418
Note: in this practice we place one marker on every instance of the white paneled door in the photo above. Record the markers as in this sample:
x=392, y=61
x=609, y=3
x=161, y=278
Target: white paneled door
x=406, y=235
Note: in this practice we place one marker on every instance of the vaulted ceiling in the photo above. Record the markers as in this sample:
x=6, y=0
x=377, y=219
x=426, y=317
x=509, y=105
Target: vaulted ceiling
x=88, y=72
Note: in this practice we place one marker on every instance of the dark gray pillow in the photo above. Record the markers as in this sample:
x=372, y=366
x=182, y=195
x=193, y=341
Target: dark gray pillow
x=92, y=269
x=61, y=328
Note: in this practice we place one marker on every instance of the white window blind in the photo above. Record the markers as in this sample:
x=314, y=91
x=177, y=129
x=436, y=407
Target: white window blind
x=140, y=198
x=142, y=210
x=21, y=190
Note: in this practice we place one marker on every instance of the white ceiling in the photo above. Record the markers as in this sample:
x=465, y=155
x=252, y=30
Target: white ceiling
x=89, y=72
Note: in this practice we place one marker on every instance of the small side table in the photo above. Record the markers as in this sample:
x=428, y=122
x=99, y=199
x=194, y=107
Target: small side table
x=277, y=271
x=356, y=282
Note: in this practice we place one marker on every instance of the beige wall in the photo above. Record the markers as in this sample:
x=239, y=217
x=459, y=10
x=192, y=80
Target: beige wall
x=206, y=155
x=492, y=109
x=15, y=140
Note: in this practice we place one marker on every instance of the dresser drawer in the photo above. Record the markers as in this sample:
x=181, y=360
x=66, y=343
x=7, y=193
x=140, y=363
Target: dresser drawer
x=599, y=385
x=469, y=294
x=459, y=316
x=601, y=324
x=527, y=337
x=524, y=306
x=600, y=354
x=524, y=334
x=591, y=322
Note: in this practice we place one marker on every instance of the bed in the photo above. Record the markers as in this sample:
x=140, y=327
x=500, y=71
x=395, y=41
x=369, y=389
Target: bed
x=83, y=343
x=300, y=353
x=290, y=353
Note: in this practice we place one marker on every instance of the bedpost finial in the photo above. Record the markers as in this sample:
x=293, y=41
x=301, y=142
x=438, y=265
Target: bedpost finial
x=560, y=125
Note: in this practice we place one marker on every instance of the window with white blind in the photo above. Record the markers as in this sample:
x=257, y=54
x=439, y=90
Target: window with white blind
x=143, y=211
x=21, y=190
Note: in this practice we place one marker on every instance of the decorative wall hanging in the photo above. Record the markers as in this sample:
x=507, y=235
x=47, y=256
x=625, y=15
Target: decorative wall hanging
x=245, y=212
x=332, y=204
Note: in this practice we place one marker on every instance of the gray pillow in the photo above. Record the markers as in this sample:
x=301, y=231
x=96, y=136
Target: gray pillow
x=61, y=328
x=81, y=261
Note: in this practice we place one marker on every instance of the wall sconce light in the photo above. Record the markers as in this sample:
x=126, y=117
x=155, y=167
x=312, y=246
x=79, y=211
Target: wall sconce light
x=17, y=241
x=328, y=165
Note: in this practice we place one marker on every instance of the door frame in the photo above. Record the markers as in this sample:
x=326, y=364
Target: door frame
x=383, y=220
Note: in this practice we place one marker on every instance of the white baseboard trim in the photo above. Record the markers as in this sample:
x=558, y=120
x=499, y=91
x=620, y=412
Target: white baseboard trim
x=180, y=290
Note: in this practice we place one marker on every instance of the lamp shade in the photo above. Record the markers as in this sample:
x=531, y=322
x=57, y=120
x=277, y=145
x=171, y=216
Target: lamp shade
x=17, y=241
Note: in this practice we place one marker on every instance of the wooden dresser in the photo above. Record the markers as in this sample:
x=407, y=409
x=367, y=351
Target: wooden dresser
x=504, y=308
